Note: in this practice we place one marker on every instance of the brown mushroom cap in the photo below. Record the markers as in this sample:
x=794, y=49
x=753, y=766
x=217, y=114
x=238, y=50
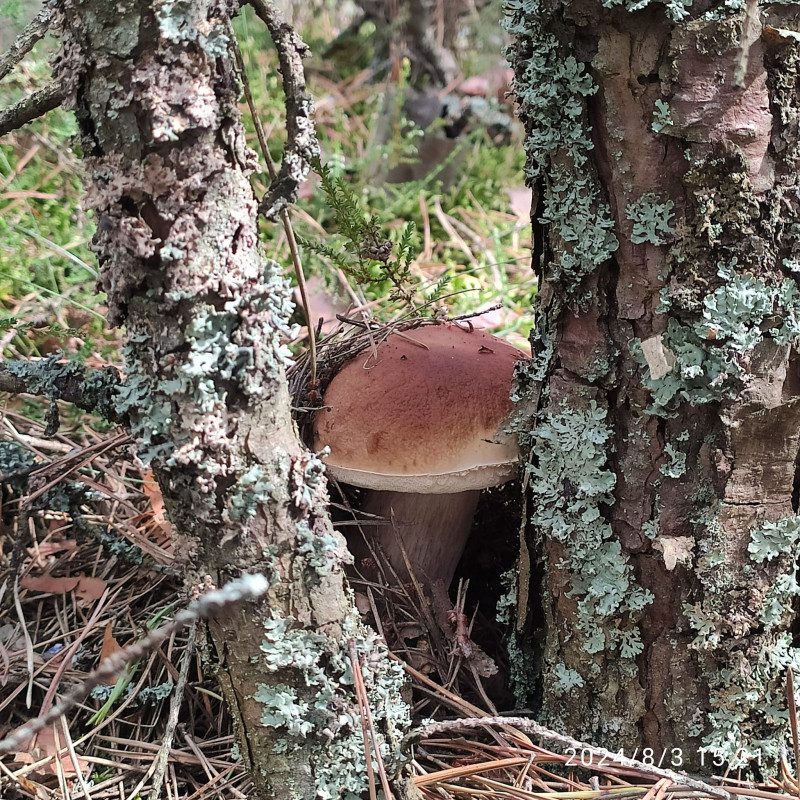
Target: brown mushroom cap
x=425, y=416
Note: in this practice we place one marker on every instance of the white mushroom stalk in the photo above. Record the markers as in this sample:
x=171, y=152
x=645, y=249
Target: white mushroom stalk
x=421, y=425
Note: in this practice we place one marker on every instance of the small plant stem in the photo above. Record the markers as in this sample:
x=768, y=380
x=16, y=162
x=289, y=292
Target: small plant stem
x=284, y=215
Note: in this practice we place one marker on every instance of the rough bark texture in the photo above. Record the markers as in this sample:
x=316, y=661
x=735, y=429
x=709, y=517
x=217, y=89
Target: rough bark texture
x=663, y=148
x=167, y=168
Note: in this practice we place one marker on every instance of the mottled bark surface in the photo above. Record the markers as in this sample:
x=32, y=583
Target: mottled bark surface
x=153, y=89
x=663, y=145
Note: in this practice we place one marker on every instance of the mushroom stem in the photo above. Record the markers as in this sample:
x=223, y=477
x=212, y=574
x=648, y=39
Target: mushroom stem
x=434, y=529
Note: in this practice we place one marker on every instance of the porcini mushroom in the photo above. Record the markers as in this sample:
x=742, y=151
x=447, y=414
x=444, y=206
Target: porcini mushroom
x=419, y=424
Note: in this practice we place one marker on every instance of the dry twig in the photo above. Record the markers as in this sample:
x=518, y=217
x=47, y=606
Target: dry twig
x=24, y=43
x=247, y=587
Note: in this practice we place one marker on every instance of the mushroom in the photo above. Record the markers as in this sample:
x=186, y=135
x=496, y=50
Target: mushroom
x=419, y=424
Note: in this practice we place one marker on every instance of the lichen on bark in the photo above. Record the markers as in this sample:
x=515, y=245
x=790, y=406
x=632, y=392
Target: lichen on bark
x=167, y=168
x=685, y=336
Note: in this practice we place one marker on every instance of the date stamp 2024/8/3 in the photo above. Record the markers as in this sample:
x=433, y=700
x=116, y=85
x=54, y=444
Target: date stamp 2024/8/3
x=666, y=758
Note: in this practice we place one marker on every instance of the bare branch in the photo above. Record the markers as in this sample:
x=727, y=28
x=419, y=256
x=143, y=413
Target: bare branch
x=248, y=587
x=532, y=727
x=30, y=108
x=23, y=44
x=301, y=143
x=284, y=214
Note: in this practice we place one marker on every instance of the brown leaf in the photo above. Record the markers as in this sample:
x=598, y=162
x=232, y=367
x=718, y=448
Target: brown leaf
x=90, y=589
x=110, y=646
x=48, y=584
x=43, y=745
x=153, y=492
x=42, y=552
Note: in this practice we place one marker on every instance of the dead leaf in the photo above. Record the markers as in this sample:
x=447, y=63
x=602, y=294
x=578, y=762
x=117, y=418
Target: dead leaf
x=153, y=492
x=90, y=589
x=110, y=646
x=43, y=745
x=660, y=359
x=86, y=588
x=520, y=200
x=48, y=584
x=675, y=549
x=42, y=552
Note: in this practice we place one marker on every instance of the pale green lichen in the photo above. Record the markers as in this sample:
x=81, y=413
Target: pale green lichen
x=252, y=489
x=281, y=708
x=778, y=541
x=743, y=645
x=748, y=703
x=519, y=648
x=552, y=89
x=676, y=10
x=570, y=483
x=662, y=117
x=567, y=678
x=712, y=355
x=326, y=708
x=779, y=599
x=150, y=413
x=651, y=219
x=774, y=539
x=676, y=463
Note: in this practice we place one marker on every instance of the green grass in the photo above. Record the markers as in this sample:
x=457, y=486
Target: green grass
x=477, y=252
x=47, y=272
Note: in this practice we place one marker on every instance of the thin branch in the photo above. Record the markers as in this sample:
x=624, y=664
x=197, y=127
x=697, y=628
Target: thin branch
x=532, y=727
x=89, y=389
x=301, y=142
x=284, y=214
x=24, y=43
x=363, y=706
x=161, y=762
x=30, y=108
x=248, y=587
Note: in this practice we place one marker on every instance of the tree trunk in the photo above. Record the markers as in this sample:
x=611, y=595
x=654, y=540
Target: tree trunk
x=662, y=145
x=154, y=92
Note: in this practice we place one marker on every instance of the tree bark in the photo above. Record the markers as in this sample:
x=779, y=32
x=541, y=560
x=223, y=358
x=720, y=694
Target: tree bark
x=662, y=145
x=154, y=92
